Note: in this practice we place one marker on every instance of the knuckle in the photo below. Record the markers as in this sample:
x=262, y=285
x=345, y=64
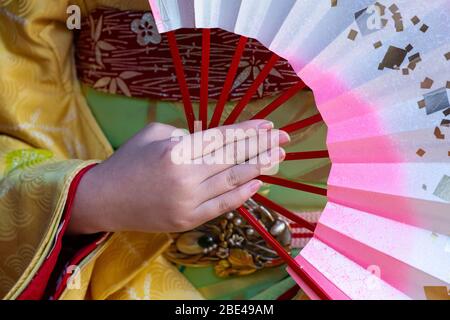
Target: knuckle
x=158, y=126
x=239, y=154
x=242, y=196
x=154, y=126
x=178, y=186
x=182, y=218
x=232, y=155
x=159, y=130
x=174, y=182
x=274, y=140
x=187, y=198
x=236, y=157
x=183, y=180
x=181, y=225
x=257, y=168
x=169, y=146
x=224, y=206
x=232, y=178
x=167, y=150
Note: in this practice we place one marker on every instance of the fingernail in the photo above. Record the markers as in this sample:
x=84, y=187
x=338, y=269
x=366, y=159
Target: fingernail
x=276, y=155
x=266, y=125
x=284, y=137
x=255, y=186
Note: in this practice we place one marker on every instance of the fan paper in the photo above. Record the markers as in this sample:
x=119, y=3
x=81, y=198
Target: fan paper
x=380, y=73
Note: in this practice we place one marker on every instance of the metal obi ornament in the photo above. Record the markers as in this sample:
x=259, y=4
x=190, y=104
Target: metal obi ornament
x=231, y=244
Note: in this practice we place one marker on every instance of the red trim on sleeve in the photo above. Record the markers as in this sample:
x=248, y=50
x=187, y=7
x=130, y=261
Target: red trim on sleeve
x=36, y=288
x=79, y=256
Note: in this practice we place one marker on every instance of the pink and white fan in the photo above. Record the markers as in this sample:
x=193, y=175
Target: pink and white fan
x=380, y=73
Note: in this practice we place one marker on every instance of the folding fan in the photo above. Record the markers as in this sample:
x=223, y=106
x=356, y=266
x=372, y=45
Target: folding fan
x=380, y=73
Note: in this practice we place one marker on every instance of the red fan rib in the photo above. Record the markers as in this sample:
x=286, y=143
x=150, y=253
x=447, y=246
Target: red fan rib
x=280, y=101
x=296, y=225
x=313, y=285
x=290, y=294
x=302, y=235
x=283, y=211
x=204, y=89
x=188, y=110
x=252, y=90
x=228, y=82
x=293, y=185
x=306, y=155
x=302, y=123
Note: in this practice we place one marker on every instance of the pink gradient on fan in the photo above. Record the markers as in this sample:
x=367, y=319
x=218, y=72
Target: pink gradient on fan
x=379, y=242
x=362, y=127
x=337, y=103
x=369, y=177
x=348, y=277
x=379, y=189
x=327, y=87
x=341, y=104
x=401, y=147
x=374, y=149
x=369, y=187
x=416, y=212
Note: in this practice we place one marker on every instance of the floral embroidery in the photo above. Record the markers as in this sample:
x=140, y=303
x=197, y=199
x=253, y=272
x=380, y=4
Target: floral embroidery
x=251, y=69
x=110, y=84
x=99, y=44
x=112, y=42
x=146, y=30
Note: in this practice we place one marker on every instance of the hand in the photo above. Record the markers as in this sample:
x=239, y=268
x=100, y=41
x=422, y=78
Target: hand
x=144, y=187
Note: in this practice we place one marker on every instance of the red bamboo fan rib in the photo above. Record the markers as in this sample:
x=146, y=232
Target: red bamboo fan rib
x=290, y=294
x=203, y=116
x=302, y=235
x=279, y=101
x=296, y=225
x=179, y=69
x=302, y=123
x=252, y=90
x=284, y=212
x=314, y=286
x=231, y=75
x=293, y=185
x=307, y=155
x=204, y=84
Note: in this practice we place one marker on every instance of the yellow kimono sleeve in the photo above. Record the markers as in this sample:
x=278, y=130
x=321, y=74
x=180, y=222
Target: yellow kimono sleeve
x=46, y=134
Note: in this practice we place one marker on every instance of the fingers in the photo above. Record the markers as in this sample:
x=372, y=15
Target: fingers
x=240, y=174
x=205, y=142
x=228, y=201
x=240, y=151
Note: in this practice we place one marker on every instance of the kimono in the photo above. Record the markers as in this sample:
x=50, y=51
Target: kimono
x=59, y=116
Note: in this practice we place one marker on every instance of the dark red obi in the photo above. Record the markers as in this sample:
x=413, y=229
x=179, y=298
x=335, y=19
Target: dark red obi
x=121, y=52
